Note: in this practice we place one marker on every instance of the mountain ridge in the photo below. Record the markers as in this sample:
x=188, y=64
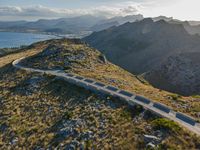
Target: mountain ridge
x=142, y=46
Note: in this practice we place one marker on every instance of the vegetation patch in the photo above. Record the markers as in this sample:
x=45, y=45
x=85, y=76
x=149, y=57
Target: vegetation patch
x=196, y=96
x=175, y=96
x=166, y=124
x=126, y=114
x=68, y=115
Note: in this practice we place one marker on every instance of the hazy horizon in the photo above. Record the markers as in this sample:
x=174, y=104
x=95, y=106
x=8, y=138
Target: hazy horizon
x=52, y=9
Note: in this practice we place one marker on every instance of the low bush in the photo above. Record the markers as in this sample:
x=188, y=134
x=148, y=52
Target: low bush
x=165, y=124
x=68, y=115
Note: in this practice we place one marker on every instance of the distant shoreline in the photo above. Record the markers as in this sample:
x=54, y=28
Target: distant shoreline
x=9, y=40
x=41, y=33
x=69, y=35
x=15, y=41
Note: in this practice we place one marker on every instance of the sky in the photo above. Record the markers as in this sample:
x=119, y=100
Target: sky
x=49, y=9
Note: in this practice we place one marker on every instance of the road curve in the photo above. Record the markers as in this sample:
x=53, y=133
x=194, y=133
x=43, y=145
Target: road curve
x=130, y=98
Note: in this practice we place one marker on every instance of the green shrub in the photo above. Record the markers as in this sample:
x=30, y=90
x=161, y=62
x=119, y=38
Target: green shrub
x=195, y=108
x=175, y=96
x=166, y=124
x=68, y=115
x=138, y=130
x=88, y=144
x=196, y=96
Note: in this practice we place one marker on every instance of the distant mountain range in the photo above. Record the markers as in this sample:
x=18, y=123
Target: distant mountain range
x=163, y=52
x=116, y=21
x=192, y=27
x=67, y=25
x=86, y=23
x=60, y=26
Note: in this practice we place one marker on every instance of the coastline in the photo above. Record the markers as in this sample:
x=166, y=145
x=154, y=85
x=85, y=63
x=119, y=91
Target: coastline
x=67, y=35
x=16, y=40
x=31, y=32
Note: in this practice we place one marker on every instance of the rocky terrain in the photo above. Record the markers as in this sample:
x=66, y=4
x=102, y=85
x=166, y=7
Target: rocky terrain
x=179, y=74
x=40, y=111
x=146, y=45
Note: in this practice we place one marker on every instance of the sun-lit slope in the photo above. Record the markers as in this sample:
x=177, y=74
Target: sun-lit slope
x=29, y=51
x=39, y=111
x=75, y=56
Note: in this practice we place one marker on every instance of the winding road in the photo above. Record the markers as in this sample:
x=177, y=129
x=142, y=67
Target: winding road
x=132, y=99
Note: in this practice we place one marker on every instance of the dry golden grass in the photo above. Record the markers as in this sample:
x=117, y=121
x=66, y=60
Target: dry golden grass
x=10, y=58
x=125, y=80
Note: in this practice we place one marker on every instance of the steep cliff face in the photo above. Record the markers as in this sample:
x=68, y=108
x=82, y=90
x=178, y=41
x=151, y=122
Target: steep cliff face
x=180, y=74
x=139, y=46
x=144, y=46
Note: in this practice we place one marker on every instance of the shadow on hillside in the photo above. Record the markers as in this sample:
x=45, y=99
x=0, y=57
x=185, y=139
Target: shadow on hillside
x=7, y=70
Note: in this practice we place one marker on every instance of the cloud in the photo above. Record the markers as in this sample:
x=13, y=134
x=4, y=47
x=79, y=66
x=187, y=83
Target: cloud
x=129, y=10
x=29, y=11
x=38, y=12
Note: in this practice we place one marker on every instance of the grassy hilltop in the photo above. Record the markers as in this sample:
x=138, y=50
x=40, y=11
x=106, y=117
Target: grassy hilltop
x=45, y=112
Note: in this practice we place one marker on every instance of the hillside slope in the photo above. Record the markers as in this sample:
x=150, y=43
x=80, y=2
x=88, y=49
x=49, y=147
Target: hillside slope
x=143, y=46
x=40, y=111
x=179, y=74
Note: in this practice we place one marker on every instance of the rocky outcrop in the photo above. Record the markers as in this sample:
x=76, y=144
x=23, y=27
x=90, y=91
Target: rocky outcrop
x=180, y=74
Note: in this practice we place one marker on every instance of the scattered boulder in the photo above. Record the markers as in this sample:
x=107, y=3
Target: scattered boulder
x=151, y=139
x=3, y=127
x=150, y=146
x=87, y=136
x=103, y=58
x=14, y=140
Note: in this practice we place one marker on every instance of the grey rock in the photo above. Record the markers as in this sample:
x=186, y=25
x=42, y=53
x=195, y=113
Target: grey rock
x=87, y=136
x=75, y=142
x=14, y=141
x=3, y=128
x=150, y=145
x=103, y=58
x=151, y=138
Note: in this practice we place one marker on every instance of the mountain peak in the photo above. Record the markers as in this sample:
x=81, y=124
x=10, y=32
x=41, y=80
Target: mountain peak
x=147, y=20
